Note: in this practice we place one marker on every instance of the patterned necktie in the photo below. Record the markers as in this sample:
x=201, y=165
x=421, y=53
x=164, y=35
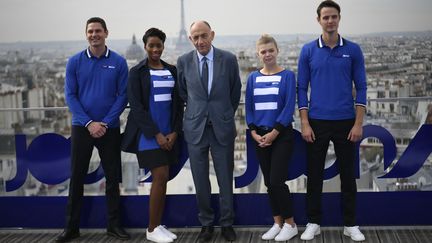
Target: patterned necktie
x=204, y=73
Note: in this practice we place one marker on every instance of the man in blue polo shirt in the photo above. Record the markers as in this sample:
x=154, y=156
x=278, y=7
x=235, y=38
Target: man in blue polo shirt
x=95, y=91
x=330, y=66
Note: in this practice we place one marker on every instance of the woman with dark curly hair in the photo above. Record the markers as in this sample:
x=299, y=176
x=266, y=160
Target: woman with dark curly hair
x=154, y=123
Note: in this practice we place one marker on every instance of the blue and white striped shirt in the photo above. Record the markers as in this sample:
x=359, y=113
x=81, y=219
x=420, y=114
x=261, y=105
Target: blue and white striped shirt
x=270, y=99
x=160, y=101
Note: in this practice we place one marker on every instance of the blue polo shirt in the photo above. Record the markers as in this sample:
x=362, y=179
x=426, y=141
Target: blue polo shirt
x=330, y=73
x=160, y=106
x=270, y=100
x=95, y=88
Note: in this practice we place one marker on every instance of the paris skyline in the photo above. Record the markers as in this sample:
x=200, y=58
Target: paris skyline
x=58, y=20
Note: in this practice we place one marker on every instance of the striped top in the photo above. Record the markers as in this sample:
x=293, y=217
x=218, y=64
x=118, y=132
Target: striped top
x=270, y=99
x=160, y=101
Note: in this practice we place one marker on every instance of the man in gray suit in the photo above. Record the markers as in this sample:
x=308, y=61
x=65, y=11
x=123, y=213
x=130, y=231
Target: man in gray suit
x=209, y=83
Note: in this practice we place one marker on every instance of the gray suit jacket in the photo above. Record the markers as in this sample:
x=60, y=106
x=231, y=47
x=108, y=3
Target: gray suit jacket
x=219, y=106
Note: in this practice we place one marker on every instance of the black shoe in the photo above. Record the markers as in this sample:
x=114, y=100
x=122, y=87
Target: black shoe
x=67, y=235
x=118, y=233
x=228, y=233
x=206, y=234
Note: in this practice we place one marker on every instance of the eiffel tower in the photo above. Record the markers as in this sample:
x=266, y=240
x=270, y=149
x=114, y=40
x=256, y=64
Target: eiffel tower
x=183, y=43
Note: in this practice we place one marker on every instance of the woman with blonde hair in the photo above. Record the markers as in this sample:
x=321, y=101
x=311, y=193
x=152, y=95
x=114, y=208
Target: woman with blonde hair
x=270, y=101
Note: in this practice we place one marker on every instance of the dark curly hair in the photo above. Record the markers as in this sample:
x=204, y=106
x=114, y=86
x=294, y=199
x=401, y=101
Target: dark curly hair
x=155, y=32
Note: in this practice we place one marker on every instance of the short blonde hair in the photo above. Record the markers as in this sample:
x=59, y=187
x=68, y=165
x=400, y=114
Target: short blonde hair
x=265, y=39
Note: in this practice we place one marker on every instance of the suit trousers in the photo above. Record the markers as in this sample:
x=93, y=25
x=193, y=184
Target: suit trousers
x=223, y=162
x=81, y=150
x=336, y=131
x=274, y=161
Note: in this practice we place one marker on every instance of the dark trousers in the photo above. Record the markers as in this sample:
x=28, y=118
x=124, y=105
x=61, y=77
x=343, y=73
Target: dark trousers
x=274, y=162
x=81, y=150
x=223, y=163
x=337, y=132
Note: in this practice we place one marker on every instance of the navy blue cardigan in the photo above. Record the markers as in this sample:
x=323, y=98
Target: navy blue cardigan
x=139, y=119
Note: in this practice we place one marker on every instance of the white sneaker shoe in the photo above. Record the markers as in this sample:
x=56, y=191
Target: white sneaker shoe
x=310, y=231
x=354, y=233
x=286, y=233
x=158, y=236
x=272, y=232
x=167, y=232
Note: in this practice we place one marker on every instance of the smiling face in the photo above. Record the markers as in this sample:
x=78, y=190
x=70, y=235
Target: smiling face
x=267, y=53
x=96, y=35
x=201, y=37
x=329, y=20
x=154, y=48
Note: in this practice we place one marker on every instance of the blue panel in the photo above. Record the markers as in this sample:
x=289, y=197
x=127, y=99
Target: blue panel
x=95, y=176
x=252, y=164
x=48, y=158
x=21, y=174
x=384, y=208
x=415, y=154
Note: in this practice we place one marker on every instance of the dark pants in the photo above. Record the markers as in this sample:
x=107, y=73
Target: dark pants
x=337, y=132
x=81, y=150
x=274, y=161
x=223, y=163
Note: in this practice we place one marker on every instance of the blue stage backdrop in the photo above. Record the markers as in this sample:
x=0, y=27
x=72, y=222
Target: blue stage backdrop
x=47, y=159
x=384, y=208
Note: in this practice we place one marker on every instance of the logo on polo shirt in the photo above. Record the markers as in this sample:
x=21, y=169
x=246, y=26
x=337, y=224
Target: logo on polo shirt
x=108, y=66
x=345, y=55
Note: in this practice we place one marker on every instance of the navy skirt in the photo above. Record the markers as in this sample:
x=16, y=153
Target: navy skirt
x=149, y=159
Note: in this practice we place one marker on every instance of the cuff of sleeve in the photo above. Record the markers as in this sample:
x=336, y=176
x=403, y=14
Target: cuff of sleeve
x=252, y=126
x=279, y=127
x=88, y=123
x=303, y=108
x=360, y=104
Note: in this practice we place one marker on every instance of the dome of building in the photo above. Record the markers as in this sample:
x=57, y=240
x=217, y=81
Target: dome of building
x=134, y=51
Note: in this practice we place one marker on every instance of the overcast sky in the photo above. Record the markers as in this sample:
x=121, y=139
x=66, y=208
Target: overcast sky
x=53, y=20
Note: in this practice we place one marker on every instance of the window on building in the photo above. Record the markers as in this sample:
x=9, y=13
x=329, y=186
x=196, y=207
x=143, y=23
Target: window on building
x=393, y=94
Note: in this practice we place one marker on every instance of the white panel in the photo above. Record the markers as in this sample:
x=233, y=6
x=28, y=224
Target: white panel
x=162, y=97
x=160, y=84
x=274, y=78
x=266, y=91
x=266, y=106
x=160, y=72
